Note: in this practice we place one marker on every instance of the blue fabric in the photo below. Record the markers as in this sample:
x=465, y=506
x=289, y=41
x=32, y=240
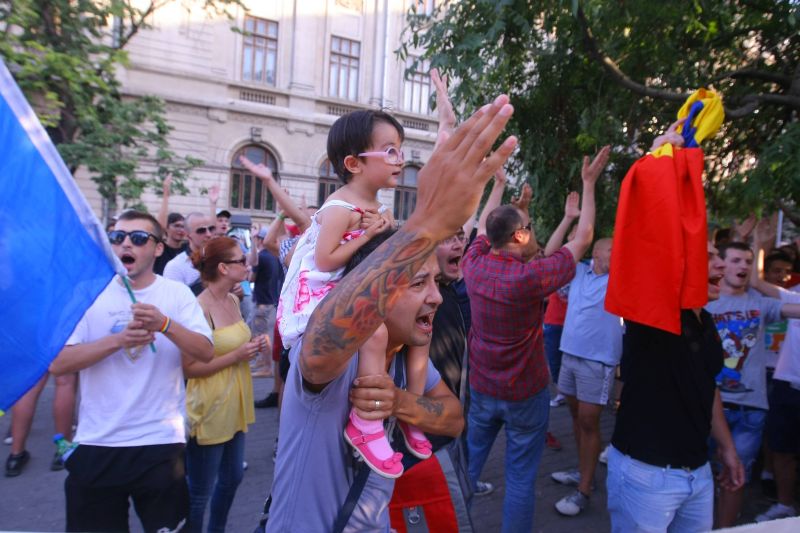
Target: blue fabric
x=647, y=498
x=552, y=341
x=747, y=428
x=688, y=130
x=218, y=467
x=526, y=423
x=54, y=256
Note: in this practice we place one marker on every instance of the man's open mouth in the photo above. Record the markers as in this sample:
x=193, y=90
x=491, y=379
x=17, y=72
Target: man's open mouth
x=714, y=280
x=425, y=321
x=455, y=260
x=127, y=259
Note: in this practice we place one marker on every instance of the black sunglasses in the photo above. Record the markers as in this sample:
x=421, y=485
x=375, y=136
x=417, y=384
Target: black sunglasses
x=529, y=227
x=203, y=229
x=138, y=237
x=241, y=261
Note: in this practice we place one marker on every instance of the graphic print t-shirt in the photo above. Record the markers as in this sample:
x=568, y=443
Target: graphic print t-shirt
x=741, y=322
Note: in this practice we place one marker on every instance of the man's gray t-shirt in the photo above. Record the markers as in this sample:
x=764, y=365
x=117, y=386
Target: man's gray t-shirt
x=312, y=471
x=740, y=321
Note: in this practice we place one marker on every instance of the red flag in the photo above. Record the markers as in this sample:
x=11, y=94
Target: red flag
x=659, y=261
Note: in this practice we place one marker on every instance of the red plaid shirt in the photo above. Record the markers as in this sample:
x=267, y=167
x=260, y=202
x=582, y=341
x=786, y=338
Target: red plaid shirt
x=506, y=351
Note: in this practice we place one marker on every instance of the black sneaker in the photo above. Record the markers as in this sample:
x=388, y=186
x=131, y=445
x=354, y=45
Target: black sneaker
x=15, y=463
x=270, y=401
x=57, y=463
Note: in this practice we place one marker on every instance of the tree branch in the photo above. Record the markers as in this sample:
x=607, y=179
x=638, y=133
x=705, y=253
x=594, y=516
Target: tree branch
x=756, y=74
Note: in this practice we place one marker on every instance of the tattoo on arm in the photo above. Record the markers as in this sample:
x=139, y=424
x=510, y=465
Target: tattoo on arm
x=357, y=305
x=432, y=406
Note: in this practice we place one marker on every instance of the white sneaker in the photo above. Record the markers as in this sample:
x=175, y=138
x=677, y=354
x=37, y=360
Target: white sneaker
x=572, y=504
x=9, y=440
x=778, y=510
x=567, y=477
x=482, y=488
x=603, y=457
x=558, y=400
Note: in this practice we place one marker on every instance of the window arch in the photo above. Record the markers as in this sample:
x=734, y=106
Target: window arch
x=328, y=182
x=247, y=192
x=405, y=195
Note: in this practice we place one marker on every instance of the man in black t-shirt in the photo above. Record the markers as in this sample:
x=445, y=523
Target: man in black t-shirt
x=659, y=477
x=174, y=243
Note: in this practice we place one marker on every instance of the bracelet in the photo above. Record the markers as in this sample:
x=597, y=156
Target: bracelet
x=165, y=326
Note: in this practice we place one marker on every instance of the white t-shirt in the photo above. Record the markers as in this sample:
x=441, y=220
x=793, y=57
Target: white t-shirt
x=135, y=397
x=788, y=367
x=180, y=268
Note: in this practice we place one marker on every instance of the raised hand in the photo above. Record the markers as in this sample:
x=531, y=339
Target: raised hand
x=166, y=186
x=766, y=231
x=745, y=227
x=444, y=108
x=572, y=205
x=671, y=136
x=523, y=201
x=500, y=177
x=591, y=171
x=260, y=170
x=213, y=194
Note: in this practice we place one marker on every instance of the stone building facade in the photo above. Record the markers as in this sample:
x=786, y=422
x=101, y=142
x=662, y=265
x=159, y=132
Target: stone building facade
x=274, y=91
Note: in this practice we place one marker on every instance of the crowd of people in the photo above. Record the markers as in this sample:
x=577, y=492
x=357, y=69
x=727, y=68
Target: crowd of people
x=400, y=351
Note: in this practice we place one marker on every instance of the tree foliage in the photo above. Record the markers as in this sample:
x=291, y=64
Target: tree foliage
x=586, y=73
x=64, y=55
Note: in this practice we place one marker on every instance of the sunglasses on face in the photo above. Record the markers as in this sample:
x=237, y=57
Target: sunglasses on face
x=202, y=230
x=391, y=155
x=241, y=261
x=138, y=237
x=529, y=227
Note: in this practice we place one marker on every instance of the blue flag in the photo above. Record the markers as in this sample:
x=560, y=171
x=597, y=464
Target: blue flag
x=55, y=258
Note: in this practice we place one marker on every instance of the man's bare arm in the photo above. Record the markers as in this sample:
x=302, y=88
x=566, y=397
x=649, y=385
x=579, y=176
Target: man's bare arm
x=585, y=231
x=571, y=212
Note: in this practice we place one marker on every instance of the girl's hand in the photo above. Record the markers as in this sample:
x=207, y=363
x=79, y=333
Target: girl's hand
x=379, y=226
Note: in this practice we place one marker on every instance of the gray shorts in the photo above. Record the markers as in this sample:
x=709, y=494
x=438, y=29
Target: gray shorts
x=589, y=381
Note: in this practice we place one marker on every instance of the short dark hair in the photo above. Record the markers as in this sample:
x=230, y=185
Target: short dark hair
x=351, y=134
x=776, y=255
x=501, y=224
x=734, y=246
x=367, y=249
x=132, y=214
x=173, y=218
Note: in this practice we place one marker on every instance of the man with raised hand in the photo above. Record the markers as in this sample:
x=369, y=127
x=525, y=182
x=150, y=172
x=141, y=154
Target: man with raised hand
x=508, y=372
x=394, y=285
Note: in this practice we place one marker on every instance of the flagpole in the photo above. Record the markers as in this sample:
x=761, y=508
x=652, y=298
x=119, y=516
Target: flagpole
x=133, y=299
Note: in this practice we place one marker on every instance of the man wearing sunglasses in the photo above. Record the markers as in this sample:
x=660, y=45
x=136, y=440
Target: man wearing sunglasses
x=131, y=422
x=200, y=229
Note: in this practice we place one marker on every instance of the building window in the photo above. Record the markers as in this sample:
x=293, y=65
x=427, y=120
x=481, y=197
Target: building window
x=423, y=7
x=247, y=192
x=260, y=51
x=405, y=195
x=343, y=81
x=417, y=91
x=328, y=182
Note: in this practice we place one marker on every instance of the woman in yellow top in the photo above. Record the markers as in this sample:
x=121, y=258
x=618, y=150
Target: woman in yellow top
x=219, y=394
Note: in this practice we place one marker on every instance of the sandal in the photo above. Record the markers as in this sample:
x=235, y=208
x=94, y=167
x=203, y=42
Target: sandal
x=419, y=448
x=391, y=468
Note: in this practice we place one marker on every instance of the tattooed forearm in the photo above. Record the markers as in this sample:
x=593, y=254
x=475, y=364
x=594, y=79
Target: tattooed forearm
x=352, y=311
x=434, y=407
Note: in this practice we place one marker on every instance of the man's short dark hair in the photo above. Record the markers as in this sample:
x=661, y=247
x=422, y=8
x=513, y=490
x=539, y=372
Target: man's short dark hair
x=367, y=249
x=173, y=218
x=132, y=214
x=351, y=134
x=776, y=255
x=501, y=224
x=734, y=246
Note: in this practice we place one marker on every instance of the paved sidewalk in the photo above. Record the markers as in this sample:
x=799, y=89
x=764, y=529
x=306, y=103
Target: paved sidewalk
x=34, y=501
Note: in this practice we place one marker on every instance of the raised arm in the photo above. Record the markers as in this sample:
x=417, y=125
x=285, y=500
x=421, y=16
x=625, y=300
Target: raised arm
x=571, y=212
x=493, y=201
x=763, y=236
x=275, y=233
x=585, y=231
x=287, y=205
x=213, y=198
x=358, y=304
x=163, y=211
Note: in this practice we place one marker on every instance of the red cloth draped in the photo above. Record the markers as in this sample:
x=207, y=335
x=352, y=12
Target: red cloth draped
x=659, y=259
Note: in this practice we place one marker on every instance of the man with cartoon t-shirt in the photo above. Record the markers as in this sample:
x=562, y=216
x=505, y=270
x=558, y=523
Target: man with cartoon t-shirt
x=741, y=317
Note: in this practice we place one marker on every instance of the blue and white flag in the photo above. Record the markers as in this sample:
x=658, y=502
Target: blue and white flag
x=55, y=258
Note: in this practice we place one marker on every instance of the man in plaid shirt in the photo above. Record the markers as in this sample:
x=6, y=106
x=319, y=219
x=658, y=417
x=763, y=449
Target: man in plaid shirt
x=508, y=372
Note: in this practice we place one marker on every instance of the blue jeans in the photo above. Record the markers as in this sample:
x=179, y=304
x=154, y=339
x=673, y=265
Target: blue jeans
x=526, y=423
x=643, y=498
x=218, y=467
x=747, y=427
x=552, y=344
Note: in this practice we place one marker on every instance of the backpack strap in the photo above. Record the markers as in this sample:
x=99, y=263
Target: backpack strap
x=353, y=495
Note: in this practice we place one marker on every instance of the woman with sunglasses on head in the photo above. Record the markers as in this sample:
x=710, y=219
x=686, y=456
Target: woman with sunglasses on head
x=219, y=394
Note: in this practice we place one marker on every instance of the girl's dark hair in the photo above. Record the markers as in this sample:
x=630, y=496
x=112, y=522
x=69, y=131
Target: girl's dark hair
x=208, y=258
x=351, y=134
